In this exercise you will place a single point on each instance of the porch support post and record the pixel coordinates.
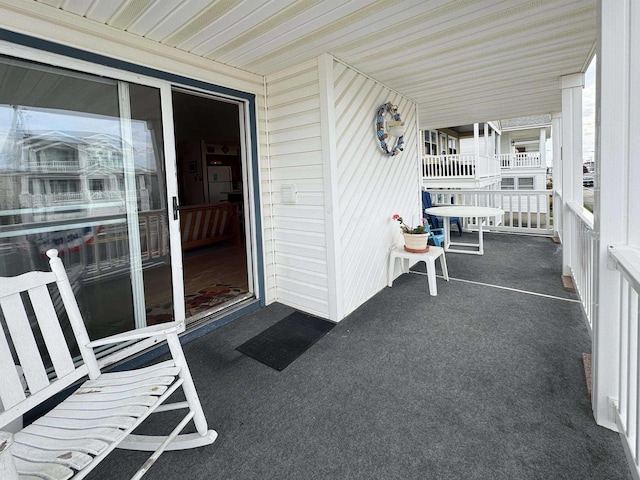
(571, 158)
(486, 138)
(331, 188)
(556, 141)
(476, 148)
(542, 147)
(616, 187)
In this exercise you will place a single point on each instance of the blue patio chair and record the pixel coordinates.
(437, 235)
(436, 222)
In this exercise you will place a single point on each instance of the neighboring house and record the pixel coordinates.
(506, 155)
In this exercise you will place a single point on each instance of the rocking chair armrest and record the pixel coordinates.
(437, 231)
(162, 329)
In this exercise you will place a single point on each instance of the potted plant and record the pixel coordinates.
(415, 238)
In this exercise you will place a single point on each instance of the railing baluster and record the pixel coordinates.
(633, 384)
(626, 260)
(624, 359)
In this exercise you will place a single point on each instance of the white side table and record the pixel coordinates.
(429, 258)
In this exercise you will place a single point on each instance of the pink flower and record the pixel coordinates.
(396, 216)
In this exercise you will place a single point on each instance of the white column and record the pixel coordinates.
(615, 222)
(542, 147)
(556, 141)
(331, 188)
(571, 157)
(476, 146)
(486, 138)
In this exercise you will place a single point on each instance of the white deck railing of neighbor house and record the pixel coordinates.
(583, 251)
(460, 166)
(627, 409)
(521, 160)
(526, 211)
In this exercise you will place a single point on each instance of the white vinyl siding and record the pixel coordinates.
(372, 186)
(328, 252)
(295, 238)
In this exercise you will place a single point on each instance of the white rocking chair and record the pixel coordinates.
(72, 439)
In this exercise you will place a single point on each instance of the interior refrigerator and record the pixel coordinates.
(219, 183)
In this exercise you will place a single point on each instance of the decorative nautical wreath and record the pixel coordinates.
(394, 126)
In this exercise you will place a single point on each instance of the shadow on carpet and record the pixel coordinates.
(283, 342)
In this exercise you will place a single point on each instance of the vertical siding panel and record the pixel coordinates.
(295, 237)
(331, 187)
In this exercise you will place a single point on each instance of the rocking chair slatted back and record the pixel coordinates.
(22, 337)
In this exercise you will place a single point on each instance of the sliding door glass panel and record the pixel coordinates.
(149, 164)
(81, 171)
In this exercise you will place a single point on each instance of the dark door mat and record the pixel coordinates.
(283, 342)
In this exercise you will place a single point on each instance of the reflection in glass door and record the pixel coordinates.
(82, 170)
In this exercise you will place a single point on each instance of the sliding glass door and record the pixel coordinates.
(82, 170)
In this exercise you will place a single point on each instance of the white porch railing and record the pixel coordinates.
(583, 249)
(526, 211)
(460, 166)
(627, 408)
(66, 166)
(521, 160)
(469, 166)
(109, 251)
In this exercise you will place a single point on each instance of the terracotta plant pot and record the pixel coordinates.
(416, 242)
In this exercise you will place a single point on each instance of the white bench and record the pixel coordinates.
(72, 439)
(429, 258)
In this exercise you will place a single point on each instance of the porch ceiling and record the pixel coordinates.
(461, 61)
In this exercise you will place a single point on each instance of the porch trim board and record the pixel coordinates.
(331, 187)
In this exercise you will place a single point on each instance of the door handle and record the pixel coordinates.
(175, 208)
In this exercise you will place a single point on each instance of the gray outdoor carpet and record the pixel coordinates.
(478, 382)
